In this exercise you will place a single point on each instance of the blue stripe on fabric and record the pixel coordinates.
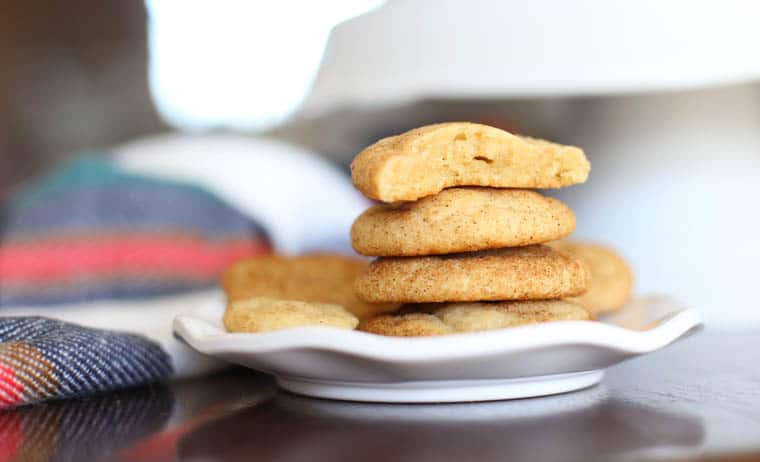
(131, 289)
(14, 329)
(125, 208)
(88, 169)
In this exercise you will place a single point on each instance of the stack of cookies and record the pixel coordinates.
(462, 242)
(459, 233)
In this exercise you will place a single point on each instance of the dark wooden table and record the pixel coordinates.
(698, 399)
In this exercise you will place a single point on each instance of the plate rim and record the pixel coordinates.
(207, 338)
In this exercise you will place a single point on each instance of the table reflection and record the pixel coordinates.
(91, 429)
(240, 415)
(579, 426)
(136, 424)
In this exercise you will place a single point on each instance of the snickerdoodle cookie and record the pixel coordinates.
(426, 160)
(611, 278)
(520, 273)
(262, 314)
(461, 220)
(308, 278)
(450, 318)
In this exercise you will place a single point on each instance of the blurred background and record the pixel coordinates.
(664, 97)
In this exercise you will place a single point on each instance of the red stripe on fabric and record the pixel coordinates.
(161, 446)
(10, 388)
(11, 436)
(50, 260)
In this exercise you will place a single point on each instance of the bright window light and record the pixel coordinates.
(238, 64)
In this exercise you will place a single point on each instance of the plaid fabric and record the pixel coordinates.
(43, 359)
(88, 232)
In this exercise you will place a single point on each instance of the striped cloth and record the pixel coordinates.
(89, 232)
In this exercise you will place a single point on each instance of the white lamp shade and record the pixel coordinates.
(408, 50)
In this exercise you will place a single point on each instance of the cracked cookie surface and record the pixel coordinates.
(426, 160)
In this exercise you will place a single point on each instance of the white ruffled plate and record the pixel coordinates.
(520, 362)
